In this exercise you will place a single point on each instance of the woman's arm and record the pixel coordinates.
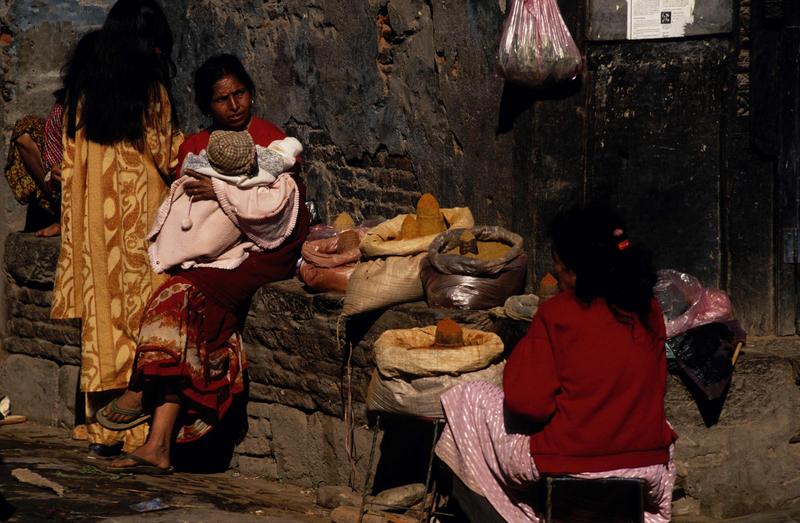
(530, 381)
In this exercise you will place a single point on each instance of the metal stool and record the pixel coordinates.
(428, 507)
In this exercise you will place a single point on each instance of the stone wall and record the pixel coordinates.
(735, 459)
(384, 95)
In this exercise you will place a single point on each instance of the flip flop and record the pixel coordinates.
(139, 417)
(142, 466)
(11, 419)
(6, 418)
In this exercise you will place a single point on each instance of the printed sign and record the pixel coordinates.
(659, 18)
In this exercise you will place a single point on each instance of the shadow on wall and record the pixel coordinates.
(517, 99)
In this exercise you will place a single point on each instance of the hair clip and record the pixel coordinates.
(157, 51)
(624, 244)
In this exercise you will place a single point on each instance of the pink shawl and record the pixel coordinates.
(222, 233)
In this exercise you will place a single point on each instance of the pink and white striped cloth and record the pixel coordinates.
(499, 466)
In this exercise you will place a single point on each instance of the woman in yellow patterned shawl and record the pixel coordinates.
(121, 145)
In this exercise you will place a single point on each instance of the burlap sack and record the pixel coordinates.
(421, 396)
(381, 239)
(397, 353)
(325, 269)
(381, 283)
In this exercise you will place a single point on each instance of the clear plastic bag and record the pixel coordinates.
(686, 304)
(536, 48)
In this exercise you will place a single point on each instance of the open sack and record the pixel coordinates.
(410, 374)
(392, 277)
(462, 282)
(323, 267)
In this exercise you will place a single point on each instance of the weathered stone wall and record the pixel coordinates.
(395, 98)
(40, 374)
(299, 391)
(384, 95)
(35, 39)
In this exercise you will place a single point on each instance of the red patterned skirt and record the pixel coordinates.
(189, 346)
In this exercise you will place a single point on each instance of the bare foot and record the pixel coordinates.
(50, 230)
(153, 454)
(129, 400)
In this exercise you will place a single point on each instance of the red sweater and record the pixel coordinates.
(598, 385)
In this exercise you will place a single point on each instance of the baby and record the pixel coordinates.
(256, 206)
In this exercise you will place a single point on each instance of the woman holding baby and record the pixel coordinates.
(189, 365)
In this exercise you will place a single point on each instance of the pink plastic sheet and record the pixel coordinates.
(686, 304)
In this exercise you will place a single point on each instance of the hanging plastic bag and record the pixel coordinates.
(686, 304)
(536, 48)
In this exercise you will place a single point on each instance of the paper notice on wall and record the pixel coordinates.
(659, 18)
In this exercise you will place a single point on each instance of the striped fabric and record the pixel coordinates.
(53, 150)
(498, 465)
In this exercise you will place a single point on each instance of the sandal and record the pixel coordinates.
(6, 418)
(138, 417)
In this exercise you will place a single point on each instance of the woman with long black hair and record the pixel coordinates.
(589, 378)
(121, 149)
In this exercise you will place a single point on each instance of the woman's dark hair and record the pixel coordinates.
(592, 242)
(211, 72)
(131, 60)
(73, 74)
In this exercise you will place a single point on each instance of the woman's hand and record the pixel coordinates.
(55, 173)
(200, 187)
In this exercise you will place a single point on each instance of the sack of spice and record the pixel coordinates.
(476, 268)
(413, 367)
(396, 248)
(328, 261)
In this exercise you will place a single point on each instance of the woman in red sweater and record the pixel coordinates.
(590, 374)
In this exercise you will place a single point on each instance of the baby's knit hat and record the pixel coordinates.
(232, 153)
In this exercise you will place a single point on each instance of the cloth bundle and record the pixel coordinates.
(324, 268)
(254, 210)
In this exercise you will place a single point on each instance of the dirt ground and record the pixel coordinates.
(91, 494)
